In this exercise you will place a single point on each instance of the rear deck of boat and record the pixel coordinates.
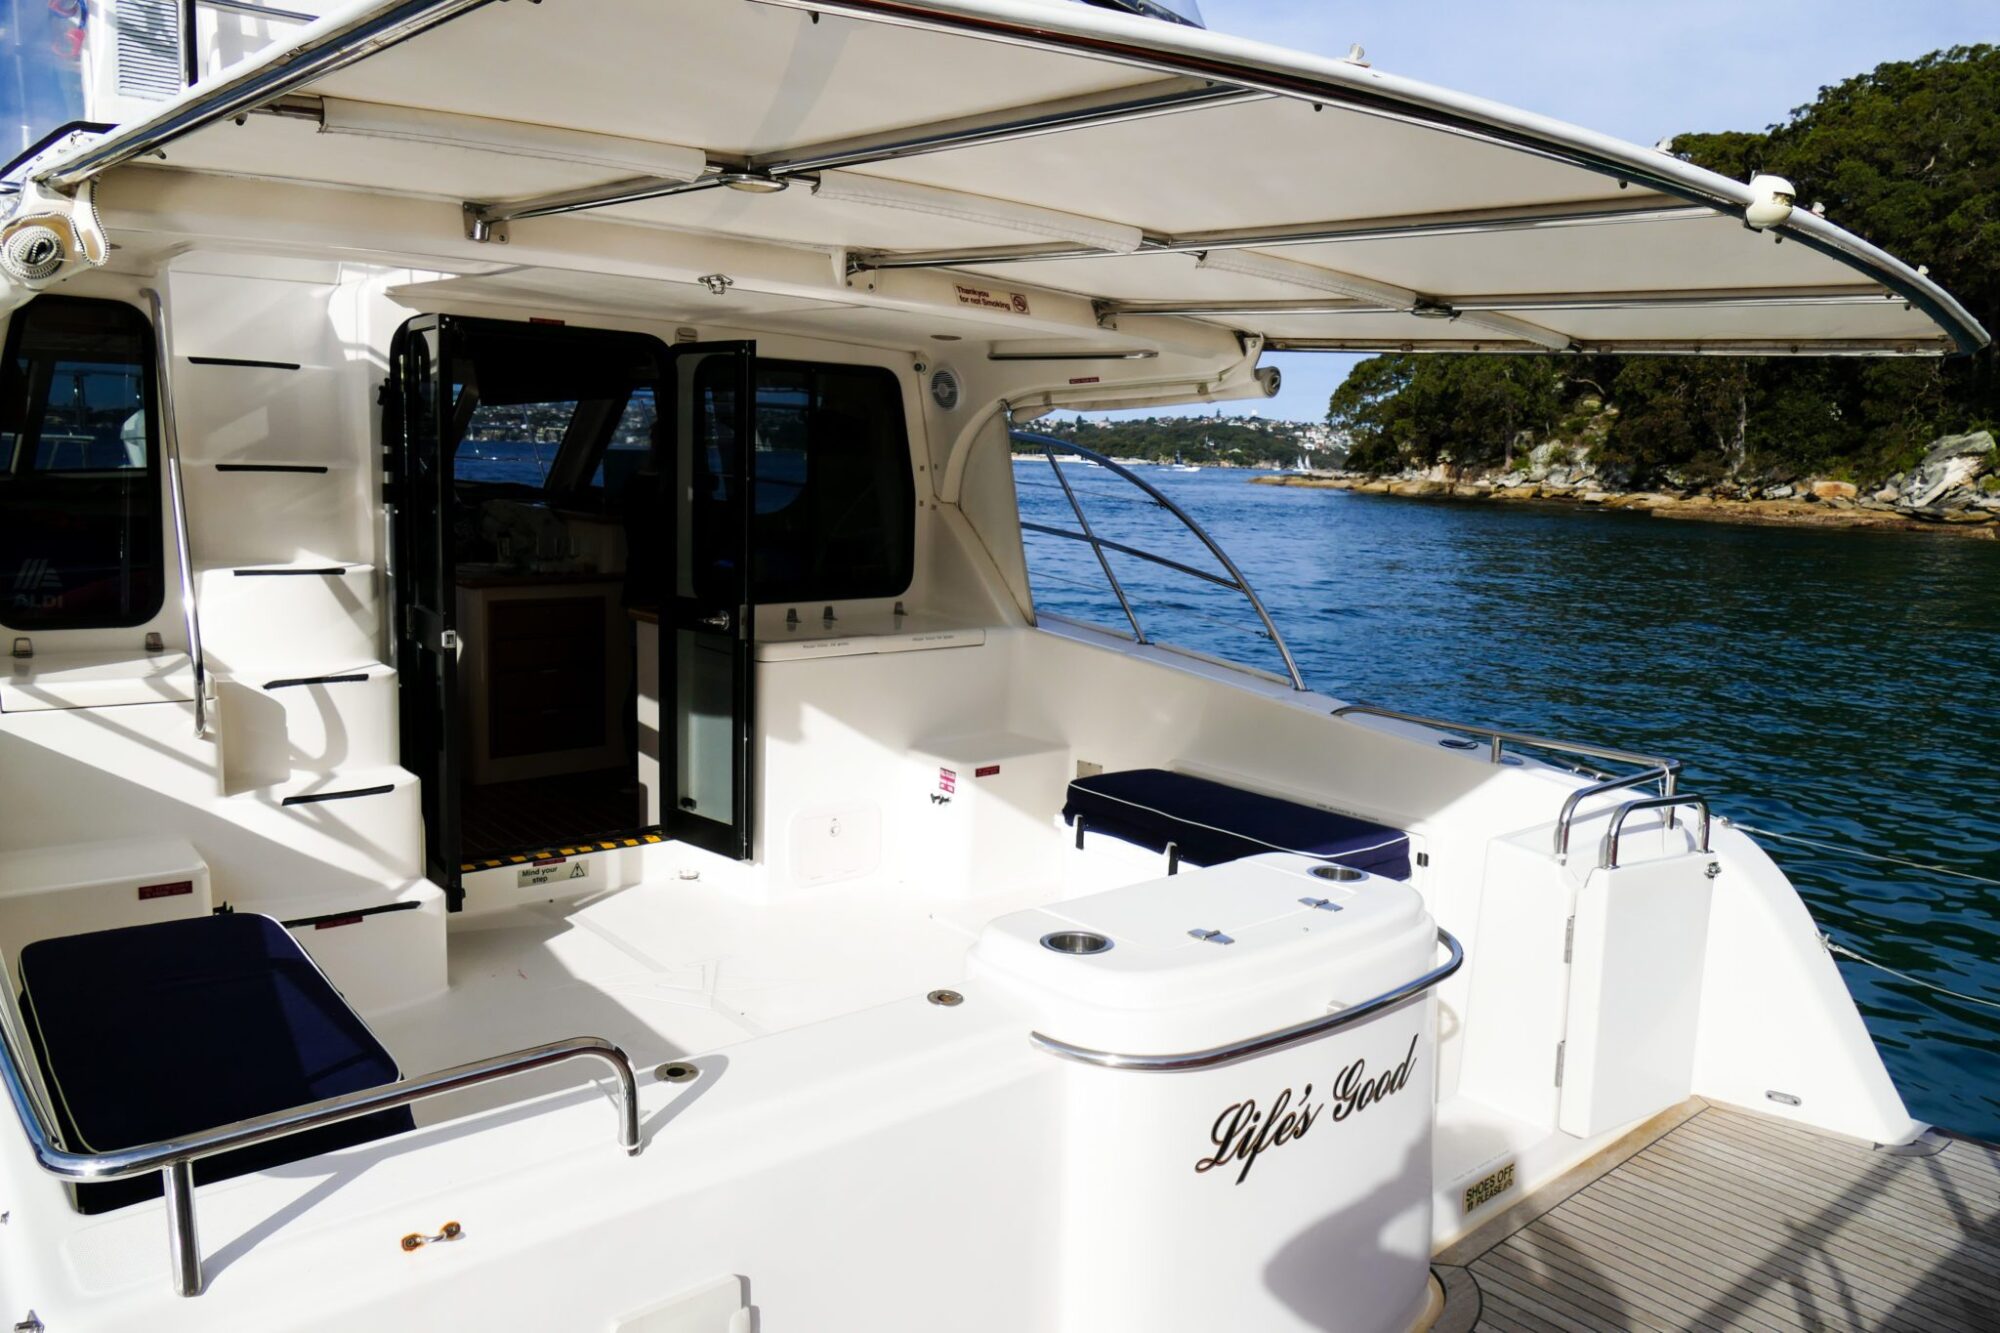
(1713, 1218)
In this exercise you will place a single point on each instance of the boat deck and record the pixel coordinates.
(1729, 1220)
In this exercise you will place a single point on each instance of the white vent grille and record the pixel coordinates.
(149, 48)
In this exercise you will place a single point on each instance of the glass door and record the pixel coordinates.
(706, 622)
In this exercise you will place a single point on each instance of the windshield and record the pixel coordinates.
(1176, 11)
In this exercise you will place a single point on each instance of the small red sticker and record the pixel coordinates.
(544, 319)
(987, 771)
(173, 890)
(552, 861)
(947, 780)
(330, 922)
(1087, 379)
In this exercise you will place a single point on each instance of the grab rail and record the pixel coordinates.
(1618, 818)
(1236, 582)
(174, 1158)
(1663, 775)
(1664, 771)
(177, 496)
(1217, 1056)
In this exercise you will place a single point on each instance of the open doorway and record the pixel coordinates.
(566, 504)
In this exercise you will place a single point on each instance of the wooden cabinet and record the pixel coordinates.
(544, 674)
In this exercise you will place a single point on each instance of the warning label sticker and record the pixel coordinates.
(1013, 302)
(550, 872)
(947, 780)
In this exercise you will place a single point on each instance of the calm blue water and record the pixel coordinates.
(1836, 685)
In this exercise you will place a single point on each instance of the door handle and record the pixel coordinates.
(720, 620)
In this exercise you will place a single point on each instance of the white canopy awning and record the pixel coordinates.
(996, 158)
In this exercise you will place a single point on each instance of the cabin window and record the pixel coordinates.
(835, 504)
(81, 538)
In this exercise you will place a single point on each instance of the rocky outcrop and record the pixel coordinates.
(1956, 486)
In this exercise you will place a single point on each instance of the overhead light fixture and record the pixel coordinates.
(854, 188)
(512, 138)
(1311, 277)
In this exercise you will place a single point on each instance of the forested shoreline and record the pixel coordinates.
(1907, 156)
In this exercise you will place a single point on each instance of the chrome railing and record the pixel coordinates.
(1263, 1044)
(1658, 769)
(170, 436)
(1054, 449)
(1667, 803)
(1664, 775)
(174, 1158)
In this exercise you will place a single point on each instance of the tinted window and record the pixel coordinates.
(81, 543)
(835, 502)
(513, 442)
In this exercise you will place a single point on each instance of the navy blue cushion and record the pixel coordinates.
(1211, 822)
(151, 1032)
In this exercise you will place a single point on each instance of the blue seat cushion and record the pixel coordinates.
(156, 1031)
(1211, 822)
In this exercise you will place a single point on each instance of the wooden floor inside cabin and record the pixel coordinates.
(1735, 1221)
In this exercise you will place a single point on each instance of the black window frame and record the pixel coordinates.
(154, 476)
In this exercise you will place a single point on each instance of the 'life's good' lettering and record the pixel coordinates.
(1246, 1131)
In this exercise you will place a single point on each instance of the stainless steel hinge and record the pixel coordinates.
(1561, 1046)
(1569, 939)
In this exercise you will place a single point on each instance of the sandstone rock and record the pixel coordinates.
(1835, 490)
(1967, 516)
(1596, 497)
(1529, 491)
(1888, 495)
(1779, 493)
(1374, 487)
(1954, 461)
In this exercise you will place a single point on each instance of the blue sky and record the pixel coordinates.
(1639, 71)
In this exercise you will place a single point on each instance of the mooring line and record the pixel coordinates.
(1841, 850)
(1845, 952)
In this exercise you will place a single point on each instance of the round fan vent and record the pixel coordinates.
(945, 388)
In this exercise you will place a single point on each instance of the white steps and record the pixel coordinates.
(277, 726)
(291, 511)
(306, 618)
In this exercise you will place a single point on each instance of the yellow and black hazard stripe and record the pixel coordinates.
(531, 855)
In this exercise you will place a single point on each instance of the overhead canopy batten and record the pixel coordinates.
(1304, 202)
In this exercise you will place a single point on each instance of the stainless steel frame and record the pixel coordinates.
(174, 1158)
(177, 497)
(802, 163)
(257, 11)
(1051, 446)
(1667, 803)
(1720, 298)
(320, 50)
(1231, 1053)
(1583, 213)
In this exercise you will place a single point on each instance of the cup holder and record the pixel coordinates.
(1075, 941)
(1339, 874)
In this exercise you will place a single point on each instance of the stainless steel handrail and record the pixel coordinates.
(175, 1158)
(1663, 775)
(1050, 446)
(170, 435)
(1625, 811)
(1664, 771)
(1499, 736)
(1217, 1056)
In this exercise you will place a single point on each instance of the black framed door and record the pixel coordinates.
(706, 617)
(419, 437)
